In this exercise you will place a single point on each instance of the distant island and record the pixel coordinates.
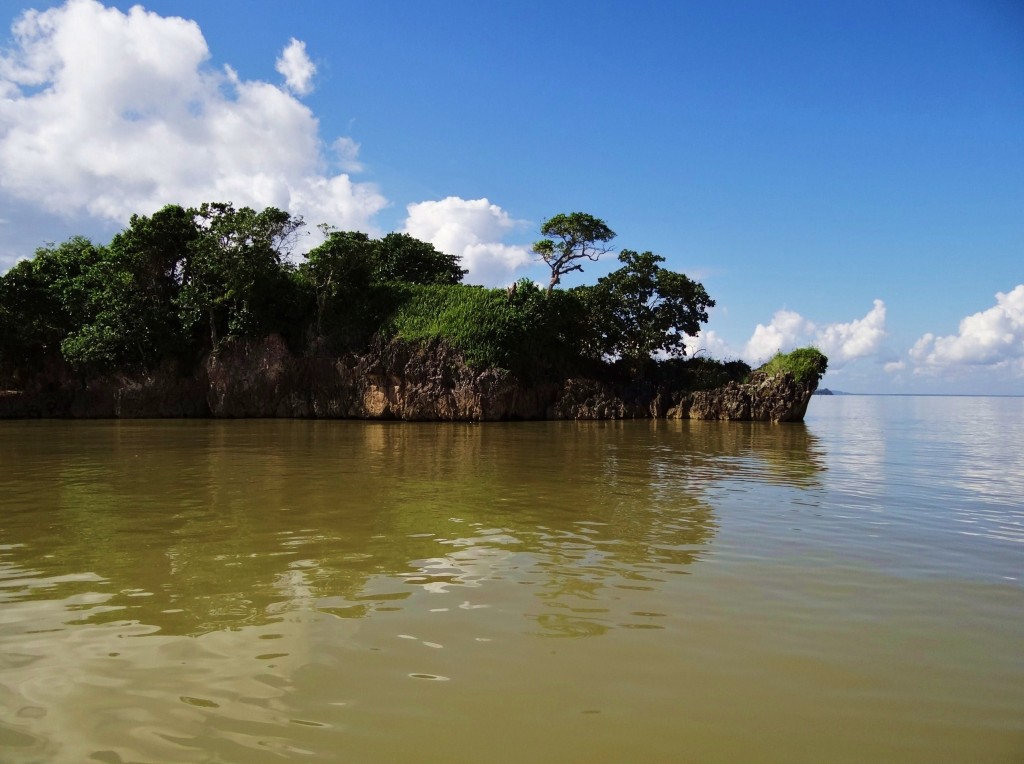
(201, 312)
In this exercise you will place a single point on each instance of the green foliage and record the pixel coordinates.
(338, 272)
(130, 318)
(43, 300)
(141, 300)
(400, 257)
(700, 373)
(67, 271)
(805, 364)
(581, 237)
(352, 277)
(513, 328)
(480, 322)
(171, 285)
(234, 270)
(32, 320)
(642, 308)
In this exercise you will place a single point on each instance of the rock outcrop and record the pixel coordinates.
(764, 398)
(392, 381)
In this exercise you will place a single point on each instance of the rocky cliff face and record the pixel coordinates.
(778, 398)
(395, 381)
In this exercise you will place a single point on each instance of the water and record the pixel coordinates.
(265, 591)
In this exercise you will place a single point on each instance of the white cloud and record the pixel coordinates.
(347, 152)
(993, 337)
(786, 331)
(110, 113)
(472, 229)
(857, 339)
(841, 342)
(297, 68)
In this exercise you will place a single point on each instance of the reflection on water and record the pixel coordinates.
(196, 527)
(923, 469)
(328, 591)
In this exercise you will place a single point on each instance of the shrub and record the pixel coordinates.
(700, 373)
(517, 329)
(805, 364)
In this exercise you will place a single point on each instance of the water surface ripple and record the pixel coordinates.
(844, 590)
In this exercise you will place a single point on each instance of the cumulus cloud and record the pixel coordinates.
(993, 337)
(857, 339)
(841, 342)
(472, 229)
(110, 113)
(297, 68)
(785, 331)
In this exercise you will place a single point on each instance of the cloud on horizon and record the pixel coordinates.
(989, 338)
(841, 342)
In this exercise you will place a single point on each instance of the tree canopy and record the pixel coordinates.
(643, 308)
(177, 284)
(400, 257)
(580, 237)
(235, 267)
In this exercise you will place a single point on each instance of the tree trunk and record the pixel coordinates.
(213, 330)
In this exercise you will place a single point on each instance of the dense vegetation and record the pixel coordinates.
(804, 364)
(174, 286)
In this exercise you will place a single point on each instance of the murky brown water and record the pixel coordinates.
(266, 591)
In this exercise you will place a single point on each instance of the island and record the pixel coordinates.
(205, 312)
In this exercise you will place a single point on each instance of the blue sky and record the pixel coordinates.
(843, 174)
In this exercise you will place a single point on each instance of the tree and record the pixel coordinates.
(339, 271)
(235, 271)
(81, 299)
(581, 237)
(401, 257)
(132, 316)
(58, 286)
(642, 308)
(33, 320)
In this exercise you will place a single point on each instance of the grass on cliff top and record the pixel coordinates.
(470, 319)
(525, 331)
(805, 364)
(490, 326)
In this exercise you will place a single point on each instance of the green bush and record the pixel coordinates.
(520, 330)
(805, 364)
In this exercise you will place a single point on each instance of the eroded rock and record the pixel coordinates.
(263, 378)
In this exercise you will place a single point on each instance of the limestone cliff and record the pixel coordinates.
(392, 381)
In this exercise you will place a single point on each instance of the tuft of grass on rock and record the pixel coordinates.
(805, 364)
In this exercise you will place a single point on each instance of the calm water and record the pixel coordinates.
(851, 589)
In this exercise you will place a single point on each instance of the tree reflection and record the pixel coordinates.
(195, 527)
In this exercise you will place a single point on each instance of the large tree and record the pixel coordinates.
(42, 300)
(642, 308)
(132, 316)
(236, 271)
(339, 271)
(580, 237)
(401, 257)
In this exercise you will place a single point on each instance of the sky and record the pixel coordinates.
(843, 175)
